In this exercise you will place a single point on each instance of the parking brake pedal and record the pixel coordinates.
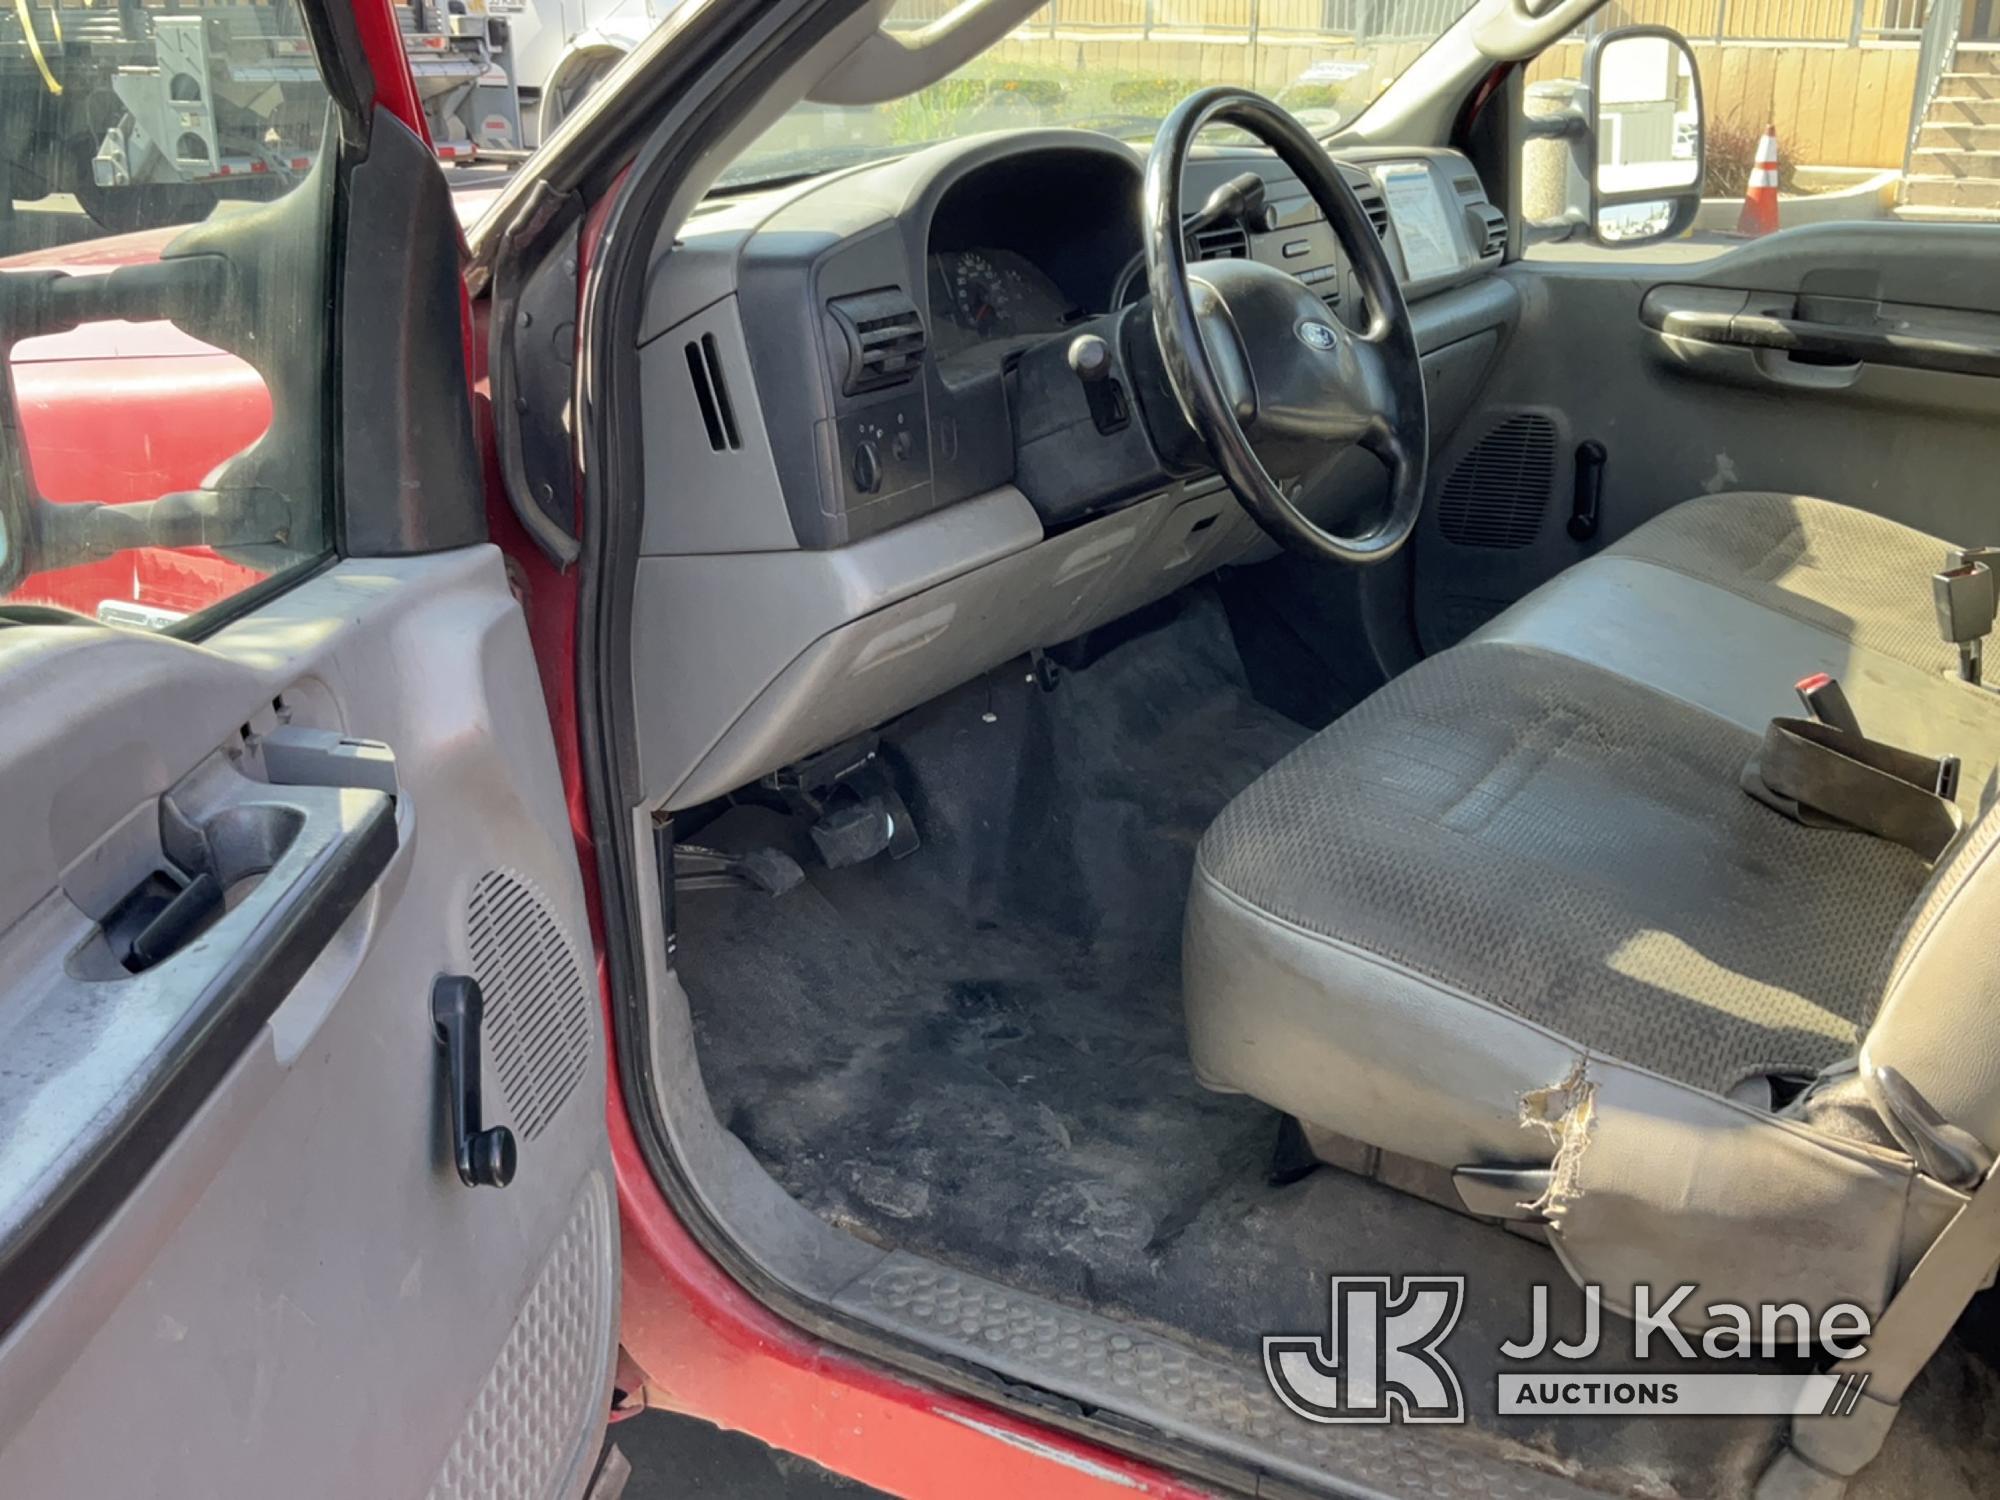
(698, 868)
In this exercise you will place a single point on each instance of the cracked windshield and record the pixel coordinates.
(1119, 66)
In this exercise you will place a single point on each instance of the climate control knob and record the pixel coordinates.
(867, 467)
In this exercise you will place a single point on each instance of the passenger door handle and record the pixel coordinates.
(1834, 342)
(1736, 319)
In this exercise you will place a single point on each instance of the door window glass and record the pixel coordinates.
(163, 449)
(1883, 110)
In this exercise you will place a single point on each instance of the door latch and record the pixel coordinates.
(484, 1158)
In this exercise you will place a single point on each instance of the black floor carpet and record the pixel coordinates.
(988, 1033)
(977, 1054)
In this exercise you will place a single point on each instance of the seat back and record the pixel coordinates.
(1939, 1023)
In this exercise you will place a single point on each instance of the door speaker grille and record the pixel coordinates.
(537, 1003)
(1496, 495)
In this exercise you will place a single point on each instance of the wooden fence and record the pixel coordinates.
(1835, 102)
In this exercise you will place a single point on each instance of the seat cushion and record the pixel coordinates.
(1844, 571)
(1727, 601)
(1535, 834)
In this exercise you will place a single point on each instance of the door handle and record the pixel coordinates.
(483, 1157)
(186, 984)
(1833, 343)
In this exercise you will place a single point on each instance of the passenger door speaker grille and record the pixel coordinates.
(537, 1003)
(711, 393)
(1497, 494)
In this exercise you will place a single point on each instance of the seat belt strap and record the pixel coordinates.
(1827, 776)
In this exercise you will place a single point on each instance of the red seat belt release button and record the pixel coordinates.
(1824, 701)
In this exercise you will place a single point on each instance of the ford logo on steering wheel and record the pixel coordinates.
(1317, 335)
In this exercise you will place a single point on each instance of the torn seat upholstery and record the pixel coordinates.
(1515, 909)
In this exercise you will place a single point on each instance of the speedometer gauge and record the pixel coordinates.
(988, 295)
(982, 297)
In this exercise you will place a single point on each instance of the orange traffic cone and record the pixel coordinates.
(1760, 201)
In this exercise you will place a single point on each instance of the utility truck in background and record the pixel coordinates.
(564, 48)
(148, 111)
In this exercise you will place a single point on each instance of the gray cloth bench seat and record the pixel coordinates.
(1515, 909)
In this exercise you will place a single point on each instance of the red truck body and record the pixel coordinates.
(117, 412)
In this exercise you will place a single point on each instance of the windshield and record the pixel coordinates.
(1119, 66)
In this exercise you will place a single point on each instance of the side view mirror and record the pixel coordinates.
(1646, 123)
(1618, 155)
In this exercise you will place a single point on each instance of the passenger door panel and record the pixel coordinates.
(1854, 362)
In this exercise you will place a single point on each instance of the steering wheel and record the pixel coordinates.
(1263, 371)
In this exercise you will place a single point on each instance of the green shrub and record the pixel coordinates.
(1148, 96)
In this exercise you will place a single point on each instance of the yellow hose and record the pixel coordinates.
(35, 43)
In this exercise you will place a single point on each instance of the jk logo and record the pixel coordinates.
(1378, 1360)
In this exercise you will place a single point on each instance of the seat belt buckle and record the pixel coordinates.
(1947, 777)
(1824, 701)
(1966, 601)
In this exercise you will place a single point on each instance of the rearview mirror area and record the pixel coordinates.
(1645, 128)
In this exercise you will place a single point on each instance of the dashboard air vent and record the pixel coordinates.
(1375, 206)
(1226, 241)
(1487, 227)
(883, 335)
(711, 393)
(1496, 495)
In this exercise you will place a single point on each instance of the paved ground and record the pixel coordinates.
(678, 1458)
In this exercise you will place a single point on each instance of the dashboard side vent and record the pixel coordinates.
(1487, 226)
(1226, 241)
(884, 338)
(1496, 495)
(1375, 206)
(711, 393)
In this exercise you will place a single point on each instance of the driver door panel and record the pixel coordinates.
(299, 1296)
(245, 853)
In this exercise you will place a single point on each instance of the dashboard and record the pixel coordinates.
(872, 474)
